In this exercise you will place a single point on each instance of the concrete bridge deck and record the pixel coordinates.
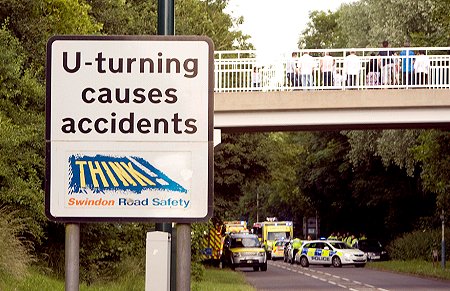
(332, 109)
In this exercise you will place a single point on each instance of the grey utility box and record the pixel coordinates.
(157, 261)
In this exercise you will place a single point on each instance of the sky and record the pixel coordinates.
(275, 25)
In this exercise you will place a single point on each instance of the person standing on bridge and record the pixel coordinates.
(256, 78)
(421, 67)
(326, 68)
(372, 71)
(407, 65)
(352, 67)
(291, 71)
(306, 67)
(386, 64)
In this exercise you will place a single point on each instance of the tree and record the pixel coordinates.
(45, 18)
(194, 17)
(432, 154)
(119, 17)
(237, 160)
(21, 127)
(322, 31)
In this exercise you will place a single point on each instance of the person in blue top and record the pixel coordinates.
(407, 65)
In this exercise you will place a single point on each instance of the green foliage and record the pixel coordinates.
(322, 31)
(21, 127)
(198, 231)
(366, 23)
(197, 271)
(105, 246)
(238, 159)
(432, 153)
(45, 18)
(119, 17)
(194, 17)
(325, 175)
(15, 256)
(18, 83)
(417, 245)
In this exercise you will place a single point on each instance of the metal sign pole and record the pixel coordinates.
(72, 257)
(183, 257)
(166, 26)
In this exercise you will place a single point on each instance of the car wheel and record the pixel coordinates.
(336, 261)
(264, 267)
(304, 262)
(231, 264)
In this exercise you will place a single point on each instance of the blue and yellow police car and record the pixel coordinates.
(330, 253)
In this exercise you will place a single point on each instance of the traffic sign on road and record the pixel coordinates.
(129, 128)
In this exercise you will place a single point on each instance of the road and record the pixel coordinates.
(282, 276)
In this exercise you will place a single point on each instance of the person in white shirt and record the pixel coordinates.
(306, 67)
(421, 67)
(326, 68)
(352, 67)
(256, 78)
(291, 71)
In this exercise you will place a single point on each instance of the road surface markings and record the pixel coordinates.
(320, 276)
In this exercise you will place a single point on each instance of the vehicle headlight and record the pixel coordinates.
(236, 255)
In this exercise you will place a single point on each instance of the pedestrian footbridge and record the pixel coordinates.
(268, 101)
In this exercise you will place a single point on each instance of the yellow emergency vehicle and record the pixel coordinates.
(213, 240)
(271, 231)
(234, 226)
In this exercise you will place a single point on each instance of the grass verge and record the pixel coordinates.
(415, 267)
(222, 280)
(214, 280)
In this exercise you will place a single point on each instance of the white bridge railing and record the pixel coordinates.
(234, 70)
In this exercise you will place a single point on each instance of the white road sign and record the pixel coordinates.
(129, 128)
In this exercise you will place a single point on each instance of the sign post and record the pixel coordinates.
(166, 26)
(129, 129)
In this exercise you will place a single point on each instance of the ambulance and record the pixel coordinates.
(272, 230)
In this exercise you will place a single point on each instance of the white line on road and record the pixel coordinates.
(308, 271)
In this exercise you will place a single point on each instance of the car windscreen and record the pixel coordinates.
(340, 245)
(245, 242)
(278, 235)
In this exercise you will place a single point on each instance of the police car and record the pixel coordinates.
(330, 252)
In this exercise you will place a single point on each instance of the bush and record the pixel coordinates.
(197, 271)
(14, 255)
(417, 245)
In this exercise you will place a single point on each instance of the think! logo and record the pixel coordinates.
(105, 173)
